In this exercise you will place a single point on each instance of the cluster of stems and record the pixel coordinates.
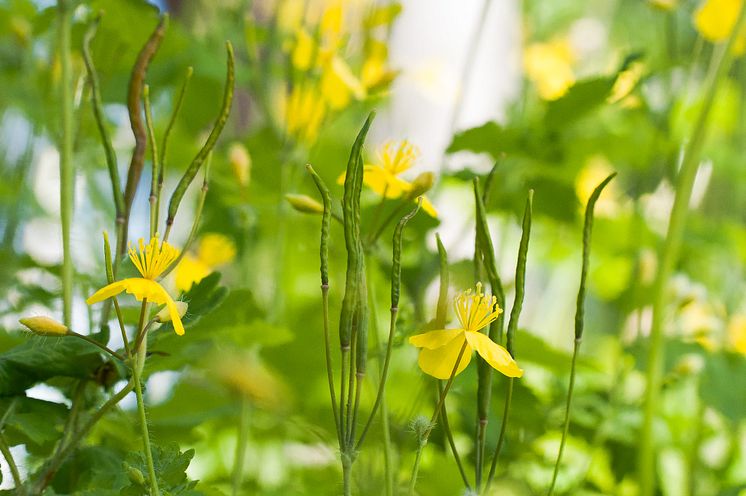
(135, 351)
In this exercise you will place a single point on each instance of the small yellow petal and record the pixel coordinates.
(190, 270)
(216, 249)
(494, 354)
(106, 292)
(715, 19)
(383, 182)
(434, 339)
(440, 361)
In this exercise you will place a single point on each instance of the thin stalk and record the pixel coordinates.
(388, 464)
(99, 345)
(346, 475)
(52, 465)
(436, 414)
(566, 425)
(5, 450)
(501, 437)
(110, 276)
(579, 316)
(155, 167)
(329, 368)
(351, 388)
(670, 251)
(136, 376)
(67, 174)
(451, 442)
(242, 440)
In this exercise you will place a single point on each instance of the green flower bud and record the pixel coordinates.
(421, 185)
(45, 326)
(165, 316)
(304, 203)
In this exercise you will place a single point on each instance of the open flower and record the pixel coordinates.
(150, 260)
(440, 349)
(383, 177)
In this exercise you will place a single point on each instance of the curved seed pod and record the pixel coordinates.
(587, 228)
(107, 259)
(354, 294)
(325, 222)
(212, 139)
(396, 260)
(520, 273)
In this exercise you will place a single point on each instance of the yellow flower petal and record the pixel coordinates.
(434, 339)
(190, 270)
(549, 67)
(429, 208)
(494, 354)
(715, 19)
(382, 181)
(440, 361)
(303, 50)
(106, 292)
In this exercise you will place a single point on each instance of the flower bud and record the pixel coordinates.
(421, 185)
(304, 203)
(164, 315)
(420, 425)
(134, 474)
(45, 326)
(240, 161)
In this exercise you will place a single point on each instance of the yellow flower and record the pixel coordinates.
(737, 333)
(151, 260)
(303, 51)
(339, 84)
(304, 111)
(440, 349)
(213, 251)
(549, 67)
(715, 19)
(383, 178)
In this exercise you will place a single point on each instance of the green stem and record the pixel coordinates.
(566, 426)
(66, 151)
(5, 450)
(670, 254)
(242, 440)
(329, 369)
(52, 465)
(137, 368)
(155, 167)
(99, 345)
(436, 414)
(451, 442)
(346, 474)
(501, 437)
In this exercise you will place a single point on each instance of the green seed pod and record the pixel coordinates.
(396, 259)
(304, 204)
(441, 314)
(212, 139)
(326, 214)
(520, 273)
(587, 228)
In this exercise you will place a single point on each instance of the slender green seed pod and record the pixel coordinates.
(441, 314)
(98, 114)
(107, 259)
(199, 159)
(587, 228)
(484, 370)
(325, 223)
(355, 275)
(396, 260)
(520, 274)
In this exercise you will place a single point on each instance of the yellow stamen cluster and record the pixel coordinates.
(396, 157)
(153, 258)
(476, 311)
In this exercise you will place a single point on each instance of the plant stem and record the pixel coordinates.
(329, 368)
(52, 465)
(99, 345)
(436, 414)
(5, 450)
(501, 437)
(669, 256)
(566, 427)
(451, 442)
(137, 368)
(66, 150)
(243, 435)
(346, 474)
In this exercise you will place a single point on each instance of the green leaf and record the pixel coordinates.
(582, 98)
(170, 469)
(721, 387)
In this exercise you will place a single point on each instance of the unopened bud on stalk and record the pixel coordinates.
(420, 425)
(421, 185)
(164, 315)
(134, 474)
(45, 326)
(304, 203)
(240, 161)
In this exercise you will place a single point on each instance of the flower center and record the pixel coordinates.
(152, 259)
(475, 311)
(396, 157)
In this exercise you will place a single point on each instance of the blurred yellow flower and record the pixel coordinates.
(440, 349)
(597, 168)
(303, 51)
(737, 333)
(715, 19)
(151, 261)
(339, 85)
(667, 5)
(625, 83)
(549, 67)
(394, 157)
(304, 111)
(245, 374)
(240, 161)
(213, 251)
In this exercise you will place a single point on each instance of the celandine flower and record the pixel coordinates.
(383, 178)
(151, 261)
(214, 250)
(440, 349)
